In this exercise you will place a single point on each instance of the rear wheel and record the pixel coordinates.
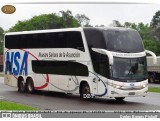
(21, 85)
(30, 85)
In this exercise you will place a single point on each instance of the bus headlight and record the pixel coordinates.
(144, 85)
(118, 87)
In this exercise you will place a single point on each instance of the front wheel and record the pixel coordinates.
(85, 91)
(151, 79)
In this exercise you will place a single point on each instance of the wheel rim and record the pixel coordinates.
(86, 90)
(21, 86)
(29, 87)
(151, 79)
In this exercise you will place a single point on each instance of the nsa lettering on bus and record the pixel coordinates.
(14, 66)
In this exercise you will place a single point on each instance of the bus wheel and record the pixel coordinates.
(85, 91)
(21, 85)
(120, 99)
(152, 79)
(30, 85)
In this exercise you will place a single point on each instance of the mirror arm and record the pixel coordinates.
(153, 55)
(106, 52)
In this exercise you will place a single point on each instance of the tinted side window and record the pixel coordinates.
(60, 68)
(45, 40)
(74, 40)
(100, 64)
(95, 38)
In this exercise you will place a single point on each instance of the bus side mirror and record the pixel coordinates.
(153, 55)
(108, 53)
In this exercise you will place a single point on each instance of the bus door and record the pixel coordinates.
(99, 87)
(102, 72)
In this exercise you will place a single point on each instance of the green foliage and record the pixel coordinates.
(156, 20)
(1, 40)
(83, 19)
(155, 24)
(64, 19)
(1, 33)
(1, 75)
(144, 29)
(148, 35)
(67, 19)
(1, 48)
(153, 46)
(4, 105)
(47, 21)
(154, 89)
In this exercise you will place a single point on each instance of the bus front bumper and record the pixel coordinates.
(128, 93)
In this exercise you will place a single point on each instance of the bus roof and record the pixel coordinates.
(67, 29)
(44, 31)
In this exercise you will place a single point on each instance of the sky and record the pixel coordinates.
(99, 13)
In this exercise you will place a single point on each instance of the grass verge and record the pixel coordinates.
(154, 89)
(1, 75)
(5, 105)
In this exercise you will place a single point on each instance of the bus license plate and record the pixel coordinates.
(131, 93)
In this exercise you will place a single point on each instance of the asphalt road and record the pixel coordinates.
(154, 84)
(59, 101)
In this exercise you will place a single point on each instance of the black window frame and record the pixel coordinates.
(56, 40)
(100, 63)
(59, 68)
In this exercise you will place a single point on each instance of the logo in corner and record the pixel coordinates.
(132, 85)
(8, 9)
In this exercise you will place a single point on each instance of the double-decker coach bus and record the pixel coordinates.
(92, 62)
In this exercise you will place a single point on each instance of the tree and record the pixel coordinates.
(155, 23)
(130, 25)
(1, 39)
(115, 23)
(127, 24)
(144, 29)
(83, 19)
(152, 46)
(147, 34)
(1, 34)
(47, 21)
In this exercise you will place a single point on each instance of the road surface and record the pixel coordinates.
(154, 85)
(59, 101)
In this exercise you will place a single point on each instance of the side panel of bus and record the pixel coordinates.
(55, 69)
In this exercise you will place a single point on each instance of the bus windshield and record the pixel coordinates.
(123, 41)
(129, 69)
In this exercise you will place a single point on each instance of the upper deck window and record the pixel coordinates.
(68, 39)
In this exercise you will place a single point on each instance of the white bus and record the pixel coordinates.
(92, 62)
